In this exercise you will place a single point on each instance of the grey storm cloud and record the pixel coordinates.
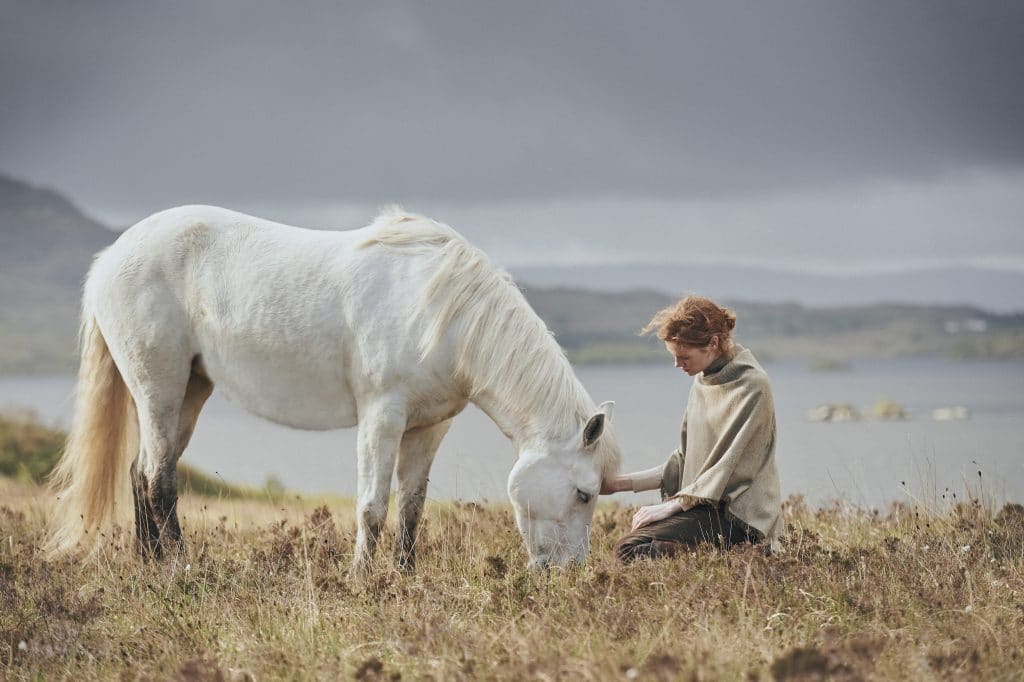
(867, 136)
(466, 102)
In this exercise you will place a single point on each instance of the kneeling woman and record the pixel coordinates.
(721, 485)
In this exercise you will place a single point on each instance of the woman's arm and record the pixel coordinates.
(648, 479)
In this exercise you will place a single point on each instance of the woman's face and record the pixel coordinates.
(693, 360)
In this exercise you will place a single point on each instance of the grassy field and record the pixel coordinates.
(261, 593)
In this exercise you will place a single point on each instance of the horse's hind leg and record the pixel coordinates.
(168, 396)
(156, 518)
(381, 426)
(147, 532)
(414, 460)
(153, 479)
(196, 393)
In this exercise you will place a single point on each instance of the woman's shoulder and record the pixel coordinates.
(753, 379)
(748, 365)
(743, 370)
(750, 383)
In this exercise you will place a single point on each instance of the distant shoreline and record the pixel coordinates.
(604, 356)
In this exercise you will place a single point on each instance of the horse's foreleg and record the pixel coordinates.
(414, 460)
(380, 434)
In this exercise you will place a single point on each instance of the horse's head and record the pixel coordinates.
(553, 488)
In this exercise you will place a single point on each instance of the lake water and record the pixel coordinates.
(866, 462)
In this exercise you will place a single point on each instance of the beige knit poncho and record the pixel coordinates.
(728, 445)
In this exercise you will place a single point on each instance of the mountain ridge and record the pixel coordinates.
(990, 289)
(47, 244)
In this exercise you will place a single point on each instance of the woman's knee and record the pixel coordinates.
(630, 549)
(623, 552)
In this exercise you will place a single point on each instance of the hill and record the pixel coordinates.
(601, 327)
(986, 288)
(46, 245)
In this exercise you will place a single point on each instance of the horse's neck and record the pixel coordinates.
(524, 426)
(511, 423)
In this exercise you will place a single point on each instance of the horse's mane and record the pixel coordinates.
(502, 344)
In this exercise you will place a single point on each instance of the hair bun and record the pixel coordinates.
(730, 319)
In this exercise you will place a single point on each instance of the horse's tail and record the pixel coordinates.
(91, 479)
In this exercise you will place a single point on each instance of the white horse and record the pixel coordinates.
(394, 327)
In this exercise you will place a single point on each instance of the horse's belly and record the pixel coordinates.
(293, 395)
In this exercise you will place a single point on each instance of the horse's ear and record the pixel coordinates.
(595, 425)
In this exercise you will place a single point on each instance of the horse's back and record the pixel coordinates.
(224, 270)
(294, 324)
(200, 231)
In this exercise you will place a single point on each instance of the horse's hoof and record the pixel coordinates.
(148, 551)
(359, 571)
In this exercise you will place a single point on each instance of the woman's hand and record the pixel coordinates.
(655, 512)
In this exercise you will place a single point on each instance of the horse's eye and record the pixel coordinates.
(582, 496)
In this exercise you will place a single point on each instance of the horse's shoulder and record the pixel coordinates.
(396, 215)
(396, 226)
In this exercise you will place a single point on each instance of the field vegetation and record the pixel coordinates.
(29, 450)
(933, 591)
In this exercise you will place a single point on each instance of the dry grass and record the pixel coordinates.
(261, 593)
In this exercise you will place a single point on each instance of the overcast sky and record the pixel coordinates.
(807, 135)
